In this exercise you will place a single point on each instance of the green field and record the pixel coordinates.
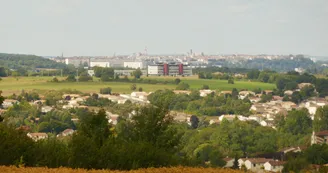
(12, 85)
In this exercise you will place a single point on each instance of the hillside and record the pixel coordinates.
(148, 170)
(17, 61)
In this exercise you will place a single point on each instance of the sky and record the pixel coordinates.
(105, 27)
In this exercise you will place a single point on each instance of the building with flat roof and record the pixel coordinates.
(99, 64)
(169, 70)
(135, 65)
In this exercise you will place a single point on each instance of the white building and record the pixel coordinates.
(274, 166)
(134, 65)
(37, 136)
(76, 61)
(155, 70)
(99, 64)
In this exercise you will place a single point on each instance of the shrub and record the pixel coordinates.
(107, 90)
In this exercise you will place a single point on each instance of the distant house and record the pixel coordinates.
(268, 91)
(66, 132)
(8, 103)
(254, 99)
(24, 128)
(229, 162)
(140, 95)
(181, 92)
(289, 92)
(225, 92)
(241, 162)
(302, 85)
(112, 118)
(319, 137)
(256, 163)
(274, 166)
(37, 136)
(244, 94)
(277, 98)
(257, 108)
(288, 105)
(204, 93)
(46, 109)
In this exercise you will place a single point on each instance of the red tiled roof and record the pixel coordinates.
(276, 163)
(322, 133)
(228, 159)
(259, 160)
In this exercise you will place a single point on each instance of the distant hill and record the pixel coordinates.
(17, 61)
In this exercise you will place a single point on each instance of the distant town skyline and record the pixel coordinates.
(108, 27)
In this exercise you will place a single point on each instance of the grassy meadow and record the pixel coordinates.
(10, 85)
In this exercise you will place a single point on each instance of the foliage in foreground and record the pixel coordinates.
(148, 170)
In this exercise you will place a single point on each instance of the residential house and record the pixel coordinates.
(140, 95)
(254, 99)
(112, 118)
(214, 121)
(46, 109)
(180, 116)
(204, 93)
(277, 98)
(263, 123)
(241, 162)
(24, 128)
(319, 137)
(268, 91)
(256, 163)
(274, 166)
(232, 117)
(289, 92)
(37, 136)
(9, 103)
(302, 85)
(257, 108)
(244, 94)
(181, 92)
(229, 162)
(225, 92)
(66, 132)
(288, 105)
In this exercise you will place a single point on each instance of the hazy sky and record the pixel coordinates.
(102, 27)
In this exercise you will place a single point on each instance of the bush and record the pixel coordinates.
(230, 81)
(71, 78)
(85, 78)
(183, 86)
(133, 87)
(55, 80)
(107, 90)
(104, 78)
(205, 87)
(177, 81)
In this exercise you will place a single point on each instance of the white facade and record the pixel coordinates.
(155, 70)
(134, 65)
(99, 64)
(270, 166)
(77, 61)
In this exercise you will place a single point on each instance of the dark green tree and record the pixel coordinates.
(137, 73)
